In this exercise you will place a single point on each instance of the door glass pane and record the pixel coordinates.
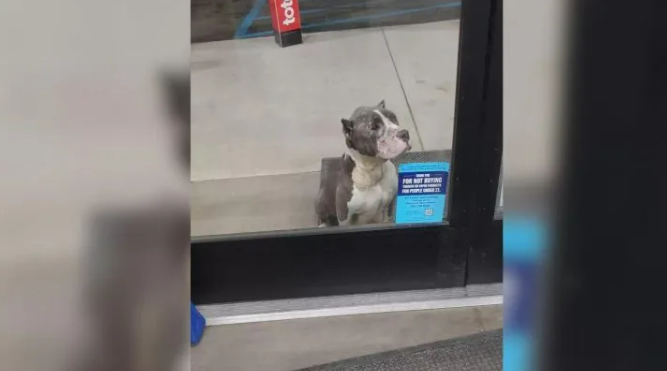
(275, 129)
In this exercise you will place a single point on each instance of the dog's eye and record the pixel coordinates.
(375, 125)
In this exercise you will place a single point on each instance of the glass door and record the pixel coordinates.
(339, 147)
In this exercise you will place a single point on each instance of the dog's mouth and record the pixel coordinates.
(390, 148)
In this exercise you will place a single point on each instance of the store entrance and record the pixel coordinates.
(268, 123)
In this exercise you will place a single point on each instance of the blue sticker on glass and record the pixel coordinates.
(421, 194)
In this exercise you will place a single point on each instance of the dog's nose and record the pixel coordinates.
(404, 134)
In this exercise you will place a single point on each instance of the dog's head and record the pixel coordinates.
(374, 131)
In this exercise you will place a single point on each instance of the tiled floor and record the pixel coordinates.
(294, 344)
(259, 110)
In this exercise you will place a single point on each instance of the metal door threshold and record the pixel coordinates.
(275, 310)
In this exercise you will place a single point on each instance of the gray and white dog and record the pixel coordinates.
(362, 190)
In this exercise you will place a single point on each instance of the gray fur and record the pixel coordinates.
(345, 186)
(335, 192)
(326, 198)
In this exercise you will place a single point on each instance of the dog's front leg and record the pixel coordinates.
(350, 211)
(351, 219)
(388, 212)
(386, 216)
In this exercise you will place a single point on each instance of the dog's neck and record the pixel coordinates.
(367, 171)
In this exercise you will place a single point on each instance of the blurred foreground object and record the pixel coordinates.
(197, 325)
(137, 292)
(137, 289)
(606, 269)
(86, 148)
(532, 79)
(524, 239)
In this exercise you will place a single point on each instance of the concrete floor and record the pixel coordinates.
(295, 344)
(259, 110)
(263, 117)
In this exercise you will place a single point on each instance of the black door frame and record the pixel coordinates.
(464, 249)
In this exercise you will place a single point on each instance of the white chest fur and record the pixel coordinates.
(373, 193)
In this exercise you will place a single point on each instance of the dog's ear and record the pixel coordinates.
(381, 104)
(348, 126)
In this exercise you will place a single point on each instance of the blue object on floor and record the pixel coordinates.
(197, 324)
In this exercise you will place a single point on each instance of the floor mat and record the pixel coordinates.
(479, 352)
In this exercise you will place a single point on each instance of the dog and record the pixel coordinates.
(362, 190)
